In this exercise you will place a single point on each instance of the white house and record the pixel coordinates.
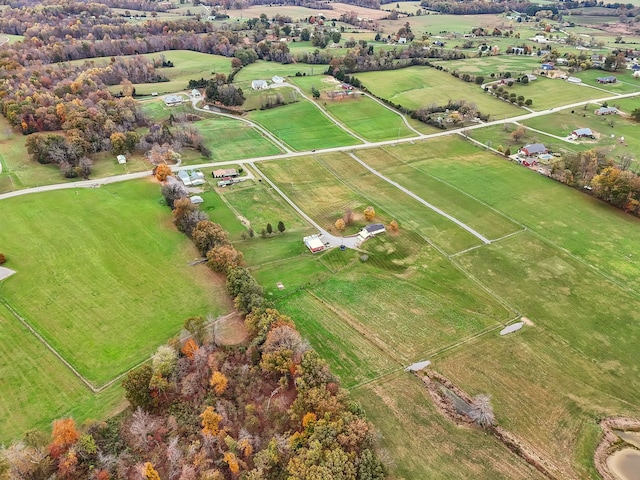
(172, 100)
(371, 231)
(196, 199)
(195, 93)
(259, 84)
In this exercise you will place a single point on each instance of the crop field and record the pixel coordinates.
(82, 288)
(549, 93)
(417, 87)
(305, 128)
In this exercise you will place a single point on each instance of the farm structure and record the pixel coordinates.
(314, 243)
(224, 172)
(532, 149)
(195, 93)
(173, 100)
(582, 133)
(547, 66)
(192, 178)
(121, 159)
(277, 79)
(607, 79)
(606, 111)
(259, 84)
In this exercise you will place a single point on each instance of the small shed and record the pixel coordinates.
(259, 84)
(531, 77)
(277, 79)
(121, 159)
(533, 149)
(574, 80)
(582, 132)
(196, 199)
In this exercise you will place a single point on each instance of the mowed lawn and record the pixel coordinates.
(595, 232)
(302, 126)
(626, 82)
(102, 274)
(553, 381)
(418, 87)
(37, 387)
(485, 66)
(554, 92)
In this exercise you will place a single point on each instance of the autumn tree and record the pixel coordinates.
(210, 421)
(189, 348)
(163, 171)
(339, 224)
(393, 226)
(281, 227)
(136, 386)
(518, 134)
(207, 235)
(64, 436)
(369, 213)
(172, 191)
(259, 322)
(223, 257)
(149, 472)
(186, 216)
(230, 459)
(219, 382)
(481, 411)
(3, 258)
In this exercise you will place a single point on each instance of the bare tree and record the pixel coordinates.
(482, 412)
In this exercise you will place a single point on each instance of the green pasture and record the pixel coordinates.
(564, 122)
(466, 209)
(589, 229)
(92, 264)
(263, 70)
(517, 65)
(37, 387)
(626, 82)
(552, 382)
(422, 443)
(417, 87)
(302, 126)
(257, 99)
(11, 38)
(548, 93)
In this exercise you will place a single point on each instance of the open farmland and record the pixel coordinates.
(625, 84)
(549, 93)
(305, 127)
(83, 287)
(417, 87)
(515, 64)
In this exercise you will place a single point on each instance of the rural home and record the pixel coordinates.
(224, 172)
(121, 159)
(582, 133)
(191, 178)
(314, 243)
(371, 231)
(259, 84)
(606, 111)
(533, 149)
(195, 93)
(172, 100)
(607, 79)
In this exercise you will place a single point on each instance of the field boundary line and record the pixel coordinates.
(404, 119)
(510, 235)
(423, 201)
(558, 137)
(42, 340)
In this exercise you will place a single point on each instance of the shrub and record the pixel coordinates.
(3, 258)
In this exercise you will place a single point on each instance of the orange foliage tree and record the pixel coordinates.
(210, 421)
(189, 348)
(219, 382)
(150, 473)
(393, 226)
(339, 224)
(232, 461)
(369, 213)
(64, 435)
(163, 171)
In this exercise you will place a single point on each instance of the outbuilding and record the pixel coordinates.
(314, 243)
(196, 199)
(371, 230)
(277, 79)
(582, 132)
(225, 172)
(173, 100)
(259, 84)
(606, 111)
(121, 159)
(607, 79)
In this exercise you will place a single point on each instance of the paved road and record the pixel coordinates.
(351, 148)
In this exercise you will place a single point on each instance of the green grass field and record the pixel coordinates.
(548, 93)
(94, 288)
(625, 84)
(417, 87)
(302, 126)
(516, 64)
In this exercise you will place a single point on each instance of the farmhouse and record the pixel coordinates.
(313, 243)
(371, 231)
(121, 159)
(606, 111)
(582, 133)
(172, 100)
(259, 84)
(607, 79)
(533, 149)
(224, 172)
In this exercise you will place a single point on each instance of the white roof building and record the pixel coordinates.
(259, 84)
(121, 159)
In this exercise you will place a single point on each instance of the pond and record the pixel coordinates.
(625, 464)
(630, 437)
